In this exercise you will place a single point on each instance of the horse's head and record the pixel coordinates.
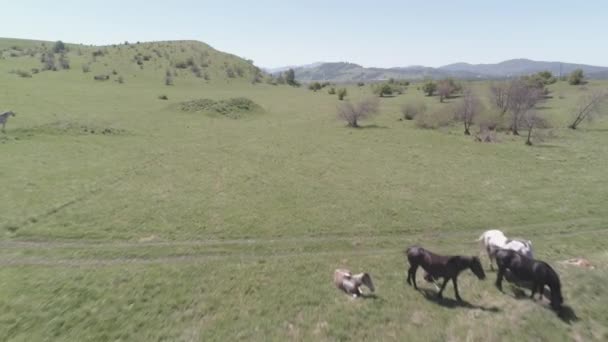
(476, 268)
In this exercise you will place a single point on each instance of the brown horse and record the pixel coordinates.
(439, 266)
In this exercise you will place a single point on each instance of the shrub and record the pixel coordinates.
(353, 113)
(429, 88)
(360, 84)
(168, 78)
(435, 119)
(64, 62)
(233, 108)
(101, 77)
(332, 91)
(86, 68)
(314, 86)
(576, 77)
(341, 93)
(411, 109)
(48, 62)
(35, 70)
(163, 97)
(23, 73)
(120, 80)
(97, 53)
(230, 73)
(196, 70)
(181, 65)
(383, 89)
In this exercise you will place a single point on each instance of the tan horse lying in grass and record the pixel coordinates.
(351, 283)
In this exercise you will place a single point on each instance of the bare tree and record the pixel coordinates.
(444, 89)
(353, 113)
(500, 96)
(522, 98)
(588, 107)
(468, 108)
(532, 119)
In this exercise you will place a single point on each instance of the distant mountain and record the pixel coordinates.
(518, 67)
(350, 72)
(285, 68)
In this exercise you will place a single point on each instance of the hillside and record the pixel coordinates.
(349, 72)
(189, 61)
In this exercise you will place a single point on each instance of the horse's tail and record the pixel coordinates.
(555, 285)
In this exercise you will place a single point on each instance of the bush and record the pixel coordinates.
(120, 80)
(64, 62)
(314, 86)
(412, 109)
(383, 89)
(181, 65)
(576, 77)
(163, 97)
(332, 91)
(98, 53)
(23, 73)
(360, 84)
(233, 108)
(101, 77)
(35, 70)
(341, 93)
(230, 73)
(86, 68)
(429, 88)
(353, 113)
(196, 70)
(168, 78)
(435, 119)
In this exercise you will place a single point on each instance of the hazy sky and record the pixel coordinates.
(371, 33)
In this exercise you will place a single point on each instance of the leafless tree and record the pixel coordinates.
(353, 113)
(522, 98)
(468, 108)
(588, 106)
(500, 96)
(444, 89)
(532, 119)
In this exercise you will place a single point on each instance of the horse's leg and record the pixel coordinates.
(534, 287)
(445, 282)
(501, 272)
(411, 276)
(541, 290)
(489, 251)
(455, 283)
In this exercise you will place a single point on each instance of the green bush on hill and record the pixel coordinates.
(233, 108)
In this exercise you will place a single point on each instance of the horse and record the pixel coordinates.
(4, 117)
(439, 266)
(492, 240)
(527, 269)
(351, 284)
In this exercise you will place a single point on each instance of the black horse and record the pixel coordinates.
(439, 266)
(539, 273)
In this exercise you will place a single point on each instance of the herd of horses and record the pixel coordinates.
(513, 257)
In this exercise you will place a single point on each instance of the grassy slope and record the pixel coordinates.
(227, 202)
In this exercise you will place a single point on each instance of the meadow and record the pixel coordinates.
(125, 218)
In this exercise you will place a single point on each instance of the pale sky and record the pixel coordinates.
(372, 33)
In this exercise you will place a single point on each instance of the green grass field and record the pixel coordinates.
(125, 218)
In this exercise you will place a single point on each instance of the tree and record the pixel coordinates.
(588, 106)
(576, 77)
(341, 93)
(532, 119)
(468, 108)
(445, 88)
(353, 113)
(429, 88)
(522, 98)
(290, 78)
(500, 96)
(59, 47)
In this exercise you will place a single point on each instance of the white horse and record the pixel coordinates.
(351, 283)
(494, 240)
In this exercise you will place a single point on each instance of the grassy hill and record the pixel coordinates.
(186, 61)
(126, 217)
